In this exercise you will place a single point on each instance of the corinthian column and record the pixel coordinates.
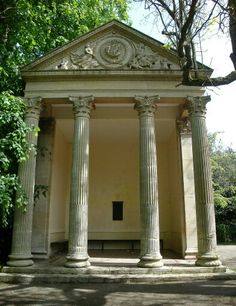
(22, 228)
(203, 184)
(150, 237)
(78, 218)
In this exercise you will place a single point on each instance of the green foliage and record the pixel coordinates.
(13, 150)
(30, 28)
(224, 183)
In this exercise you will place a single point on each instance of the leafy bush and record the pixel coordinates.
(13, 150)
(224, 183)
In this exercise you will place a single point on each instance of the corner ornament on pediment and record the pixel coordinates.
(196, 106)
(113, 52)
(146, 105)
(82, 105)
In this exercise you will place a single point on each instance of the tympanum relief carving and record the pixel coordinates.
(114, 52)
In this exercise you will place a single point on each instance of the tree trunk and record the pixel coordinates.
(232, 29)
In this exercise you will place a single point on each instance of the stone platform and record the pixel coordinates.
(112, 267)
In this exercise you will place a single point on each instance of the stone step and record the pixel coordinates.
(112, 270)
(108, 278)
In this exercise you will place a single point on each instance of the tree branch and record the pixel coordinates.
(166, 8)
(232, 26)
(5, 10)
(207, 20)
(185, 29)
(219, 81)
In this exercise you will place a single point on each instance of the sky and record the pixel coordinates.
(221, 110)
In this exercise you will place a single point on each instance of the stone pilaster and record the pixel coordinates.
(22, 228)
(150, 234)
(78, 217)
(189, 215)
(40, 230)
(203, 184)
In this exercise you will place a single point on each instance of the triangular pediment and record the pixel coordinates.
(113, 46)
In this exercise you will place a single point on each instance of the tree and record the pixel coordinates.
(30, 28)
(185, 23)
(224, 182)
(13, 149)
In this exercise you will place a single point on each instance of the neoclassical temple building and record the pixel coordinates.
(122, 153)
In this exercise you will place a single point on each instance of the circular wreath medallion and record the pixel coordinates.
(113, 52)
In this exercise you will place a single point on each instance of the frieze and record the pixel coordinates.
(114, 52)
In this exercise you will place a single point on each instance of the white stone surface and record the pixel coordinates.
(149, 211)
(206, 230)
(78, 217)
(189, 216)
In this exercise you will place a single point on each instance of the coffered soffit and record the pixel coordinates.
(113, 46)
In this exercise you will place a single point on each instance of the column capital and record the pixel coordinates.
(184, 126)
(34, 106)
(197, 105)
(146, 105)
(82, 105)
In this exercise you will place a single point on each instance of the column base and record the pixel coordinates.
(190, 254)
(76, 262)
(150, 262)
(20, 261)
(208, 260)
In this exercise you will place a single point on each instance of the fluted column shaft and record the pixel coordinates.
(149, 211)
(22, 227)
(78, 216)
(203, 184)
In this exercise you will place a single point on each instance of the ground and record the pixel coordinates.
(204, 292)
(171, 293)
